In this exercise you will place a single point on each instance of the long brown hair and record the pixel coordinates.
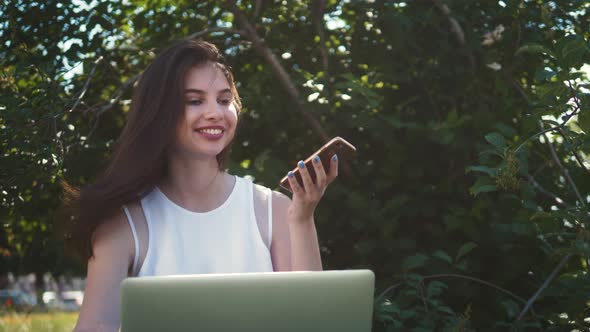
(139, 161)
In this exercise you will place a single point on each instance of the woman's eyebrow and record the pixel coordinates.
(204, 92)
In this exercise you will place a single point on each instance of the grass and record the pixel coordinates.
(37, 322)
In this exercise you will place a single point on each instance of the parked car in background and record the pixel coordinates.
(72, 300)
(68, 301)
(50, 300)
(12, 299)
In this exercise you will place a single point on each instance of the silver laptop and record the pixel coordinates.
(271, 301)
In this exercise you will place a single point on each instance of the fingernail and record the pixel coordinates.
(290, 174)
(316, 159)
(301, 164)
(335, 158)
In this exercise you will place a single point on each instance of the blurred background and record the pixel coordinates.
(468, 197)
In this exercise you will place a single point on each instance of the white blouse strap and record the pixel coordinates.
(135, 241)
(269, 217)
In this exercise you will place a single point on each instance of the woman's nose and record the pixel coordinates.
(213, 111)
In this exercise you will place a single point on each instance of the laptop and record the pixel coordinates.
(338, 300)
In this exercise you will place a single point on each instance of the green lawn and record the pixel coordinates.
(38, 322)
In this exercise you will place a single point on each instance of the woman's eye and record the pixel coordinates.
(194, 102)
(225, 101)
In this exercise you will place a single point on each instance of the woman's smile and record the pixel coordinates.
(211, 133)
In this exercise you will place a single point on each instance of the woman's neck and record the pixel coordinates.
(197, 185)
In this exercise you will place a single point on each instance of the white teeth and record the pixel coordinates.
(211, 131)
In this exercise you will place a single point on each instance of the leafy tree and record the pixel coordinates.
(469, 194)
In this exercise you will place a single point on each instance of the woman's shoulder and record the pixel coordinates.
(113, 236)
(261, 191)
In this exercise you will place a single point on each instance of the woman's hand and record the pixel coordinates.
(306, 198)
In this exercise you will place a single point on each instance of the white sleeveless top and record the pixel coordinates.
(223, 240)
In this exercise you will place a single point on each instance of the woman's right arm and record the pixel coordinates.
(113, 249)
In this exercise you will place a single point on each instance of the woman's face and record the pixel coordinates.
(210, 115)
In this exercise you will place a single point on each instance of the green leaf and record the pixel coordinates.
(421, 329)
(572, 50)
(496, 139)
(395, 326)
(533, 48)
(484, 169)
(385, 318)
(551, 122)
(512, 308)
(505, 130)
(389, 307)
(584, 120)
(527, 191)
(435, 288)
(486, 154)
(482, 185)
(544, 75)
(445, 310)
(464, 250)
(524, 229)
(583, 247)
(549, 91)
(414, 262)
(407, 314)
(443, 255)
(414, 278)
(484, 189)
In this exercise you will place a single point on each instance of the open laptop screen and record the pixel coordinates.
(271, 301)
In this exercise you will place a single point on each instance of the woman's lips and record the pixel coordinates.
(211, 133)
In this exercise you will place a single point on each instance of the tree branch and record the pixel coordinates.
(318, 21)
(546, 192)
(115, 97)
(94, 126)
(86, 84)
(542, 132)
(423, 295)
(563, 170)
(387, 290)
(456, 29)
(558, 128)
(59, 142)
(516, 86)
(459, 276)
(113, 100)
(477, 280)
(579, 107)
(278, 69)
(530, 302)
(433, 105)
(257, 8)
(576, 155)
(217, 29)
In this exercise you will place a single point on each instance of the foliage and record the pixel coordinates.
(454, 197)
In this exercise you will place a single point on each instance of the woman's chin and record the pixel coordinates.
(205, 155)
(196, 154)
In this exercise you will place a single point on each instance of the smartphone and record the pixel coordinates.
(336, 146)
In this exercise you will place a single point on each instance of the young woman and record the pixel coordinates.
(167, 206)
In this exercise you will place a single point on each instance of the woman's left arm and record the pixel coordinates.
(295, 245)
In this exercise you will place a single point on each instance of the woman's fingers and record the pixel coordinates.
(320, 173)
(333, 173)
(307, 195)
(305, 177)
(295, 187)
(322, 179)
